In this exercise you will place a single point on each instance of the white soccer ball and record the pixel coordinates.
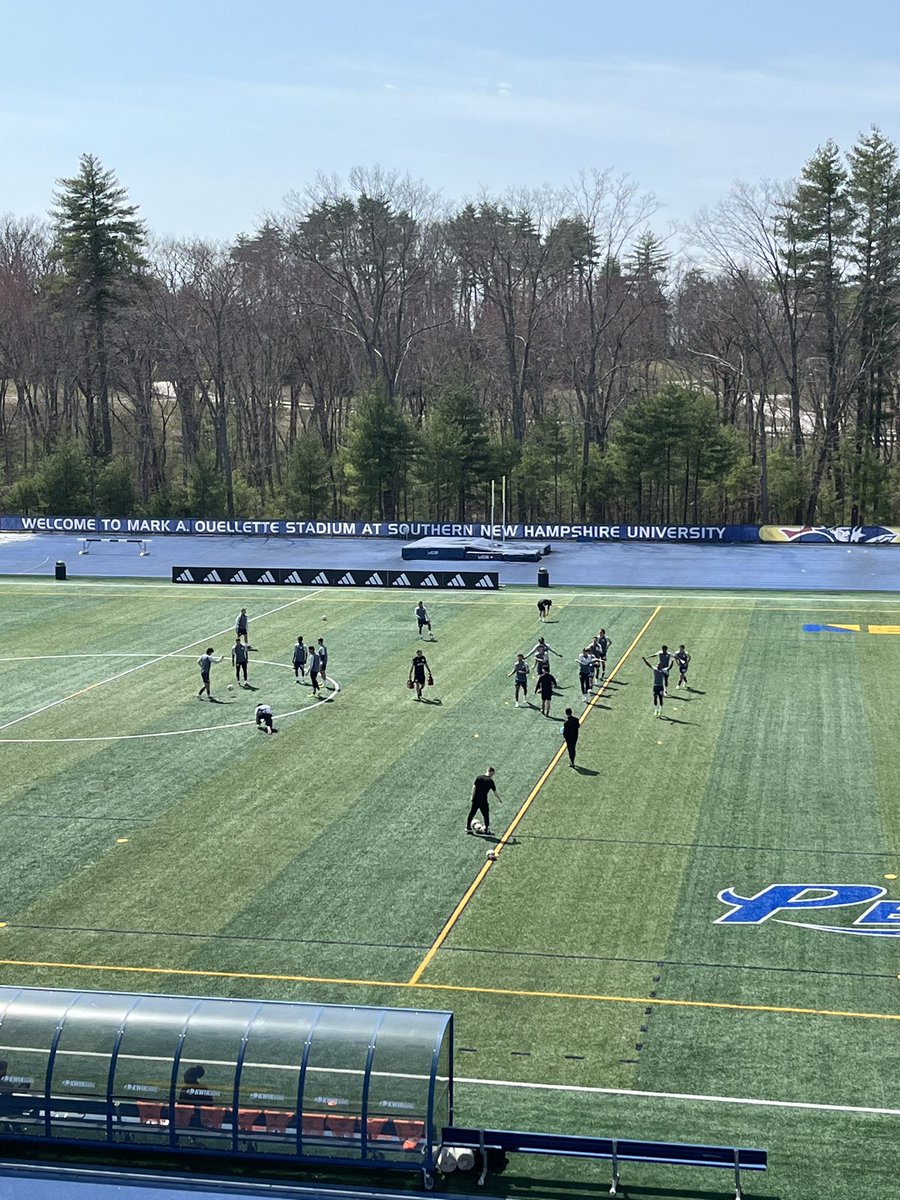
(324, 618)
(231, 687)
(478, 827)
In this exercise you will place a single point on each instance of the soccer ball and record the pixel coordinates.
(231, 687)
(324, 618)
(478, 827)
(491, 856)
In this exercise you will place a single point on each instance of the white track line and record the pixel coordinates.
(602, 1091)
(135, 737)
(150, 663)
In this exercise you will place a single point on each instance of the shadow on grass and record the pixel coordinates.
(585, 770)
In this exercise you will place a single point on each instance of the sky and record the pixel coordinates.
(210, 113)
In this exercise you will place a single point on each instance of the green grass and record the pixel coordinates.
(588, 957)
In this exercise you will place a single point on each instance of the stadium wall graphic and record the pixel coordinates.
(538, 531)
(488, 581)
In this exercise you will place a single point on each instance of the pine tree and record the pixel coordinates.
(819, 219)
(99, 243)
(874, 188)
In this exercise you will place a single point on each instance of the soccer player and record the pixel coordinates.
(570, 731)
(543, 607)
(541, 650)
(240, 656)
(322, 651)
(664, 659)
(585, 662)
(241, 626)
(682, 661)
(423, 619)
(481, 789)
(300, 656)
(315, 666)
(545, 685)
(659, 686)
(205, 663)
(417, 672)
(602, 644)
(265, 717)
(520, 670)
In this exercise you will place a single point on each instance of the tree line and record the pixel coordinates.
(369, 351)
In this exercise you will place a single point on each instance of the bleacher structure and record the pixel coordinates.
(321, 1084)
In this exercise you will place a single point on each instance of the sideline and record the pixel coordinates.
(517, 819)
(471, 989)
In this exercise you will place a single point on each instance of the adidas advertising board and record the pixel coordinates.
(310, 577)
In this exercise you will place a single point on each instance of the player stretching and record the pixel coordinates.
(601, 645)
(682, 661)
(520, 670)
(585, 662)
(659, 686)
(664, 662)
(423, 620)
(542, 651)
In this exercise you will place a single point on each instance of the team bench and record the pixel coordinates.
(144, 543)
(614, 1150)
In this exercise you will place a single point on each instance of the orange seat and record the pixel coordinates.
(277, 1122)
(410, 1133)
(249, 1118)
(376, 1131)
(313, 1124)
(212, 1118)
(341, 1126)
(152, 1114)
(184, 1114)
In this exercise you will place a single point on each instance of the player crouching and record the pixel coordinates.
(264, 718)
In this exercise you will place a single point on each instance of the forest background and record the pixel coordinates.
(369, 351)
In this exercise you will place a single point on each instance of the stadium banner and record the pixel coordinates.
(846, 535)
(410, 530)
(310, 577)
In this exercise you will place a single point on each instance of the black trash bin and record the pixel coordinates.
(543, 577)
(60, 570)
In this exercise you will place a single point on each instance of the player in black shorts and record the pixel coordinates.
(659, 686)
(301, 654)
(520, 670)
(682, 662)
(543, 607)
(664, 660)
(481, 789)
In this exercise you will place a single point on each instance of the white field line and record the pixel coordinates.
(690, 1096)
(149, 663)
(136, 737)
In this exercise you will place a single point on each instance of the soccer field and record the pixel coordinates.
(154, 842)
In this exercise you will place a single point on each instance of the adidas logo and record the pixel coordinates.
(294, 577)
(266, 577)
(239, 577)
(347, 581)
(212, 577)
(400, 581)
(321, 579)
(374, 581)
(485, 582)
(456, 581)
(429, 581)
(184, 577)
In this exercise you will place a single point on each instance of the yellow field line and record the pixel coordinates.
(513, 993)
(514, 824)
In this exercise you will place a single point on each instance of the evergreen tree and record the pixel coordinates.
(874, 188)
(99, 243)
(378, 452)
(63, 482)
(456, 457)
(306, 480)
(819, 220)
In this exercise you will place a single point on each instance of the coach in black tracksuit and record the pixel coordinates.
(570, 732)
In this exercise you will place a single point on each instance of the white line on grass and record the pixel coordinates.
(134, 737)
(150, 663)
(603, 1091)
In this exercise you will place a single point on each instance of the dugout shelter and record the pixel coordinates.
(323, 1084)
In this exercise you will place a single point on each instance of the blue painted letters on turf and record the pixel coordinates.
(791, 897)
